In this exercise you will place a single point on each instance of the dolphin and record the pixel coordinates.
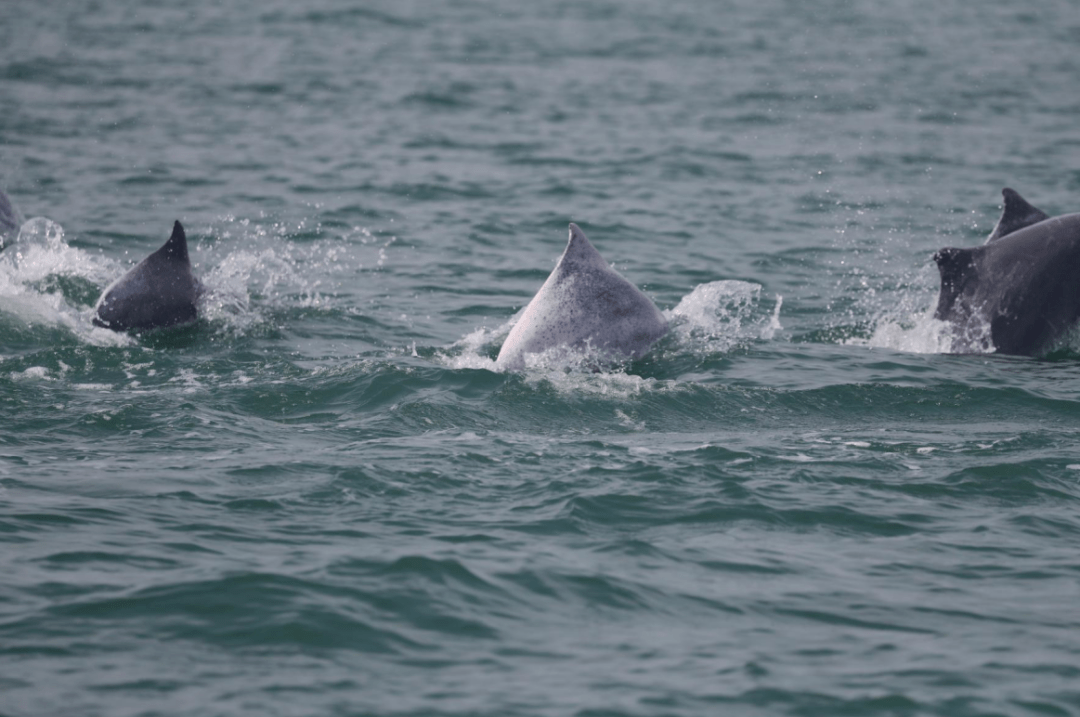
(584, 304)
(1020, 288)
(159, 291)
(10, 220)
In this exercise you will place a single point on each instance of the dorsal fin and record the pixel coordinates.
(175, 249)
(579, 252)
(1017, 214)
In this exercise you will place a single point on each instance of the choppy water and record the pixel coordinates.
(322, 500)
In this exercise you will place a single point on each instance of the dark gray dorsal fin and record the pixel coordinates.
(1016, 215)
(176, 248)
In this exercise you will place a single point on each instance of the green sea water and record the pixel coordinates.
(323, 499)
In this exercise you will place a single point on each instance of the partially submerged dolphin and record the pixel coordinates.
(1020, 289)
(159, 291)
(584, 304)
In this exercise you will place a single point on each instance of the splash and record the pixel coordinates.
(226, 300)
(254, 271)
(40, 251)
(723, 315)
(914, 334)
(1068, 342)
(475, 350)
(902, 328)
(46, 282)
(614, 383)
(566, 371)
(897, 313)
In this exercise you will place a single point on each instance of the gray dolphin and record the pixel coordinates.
(584, 303)
(10, 220)
(159, 291)
(1021, 286)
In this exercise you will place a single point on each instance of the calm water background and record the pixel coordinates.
(322, 500)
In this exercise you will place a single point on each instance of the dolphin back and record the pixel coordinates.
(584, 304)
(1019, 289)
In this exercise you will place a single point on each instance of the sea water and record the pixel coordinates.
(322, 499)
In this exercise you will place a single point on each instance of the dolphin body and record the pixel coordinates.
(10, 220)
(584, 304)
(159, 291)
(1021, 284)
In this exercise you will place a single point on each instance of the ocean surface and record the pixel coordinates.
(323, 499)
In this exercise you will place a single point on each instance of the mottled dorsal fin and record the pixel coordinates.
(579, 253)
(176, 248)
(1016, 215)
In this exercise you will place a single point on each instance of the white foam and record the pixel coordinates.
(629, 422)
(721, 315)
(38, 255)
(902, 317)
(40, 251)
(564, 370)
(34, 373)
(914, 334)
(561, 369)
(470, 351)
(225, 296)
(616, 385)
(259, 268)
